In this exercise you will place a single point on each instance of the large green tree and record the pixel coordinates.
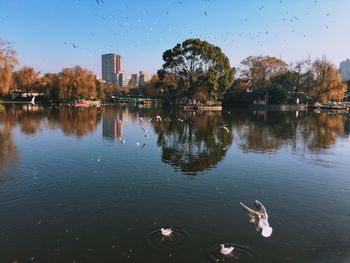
(195, 64)
(8, 59)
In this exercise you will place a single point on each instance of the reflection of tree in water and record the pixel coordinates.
(265, 131)
(79, 122)
(9, 154)
(323, 130)
(8, 150)
(262, 131)
(195, 144)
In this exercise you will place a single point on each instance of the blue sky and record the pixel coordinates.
(43, 32)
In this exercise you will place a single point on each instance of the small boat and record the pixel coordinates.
(82, 104)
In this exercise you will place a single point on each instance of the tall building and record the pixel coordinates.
(345, 69)
(124, 79)
(112, 64)
(119, 62)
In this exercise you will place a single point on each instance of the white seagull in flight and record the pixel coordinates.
(259, 218)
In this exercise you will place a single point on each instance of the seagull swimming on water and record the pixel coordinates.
(259, 218)
(226, 250)
(166, 231)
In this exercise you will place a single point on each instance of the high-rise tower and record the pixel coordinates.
(112, 64)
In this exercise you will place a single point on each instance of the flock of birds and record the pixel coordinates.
(124, 22)
(258, 217)
(158, 118)
(259, 37)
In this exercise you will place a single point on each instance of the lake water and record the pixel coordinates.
(71, 191)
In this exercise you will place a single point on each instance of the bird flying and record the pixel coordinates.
(33, 101)
(259, 218)
(158, 118)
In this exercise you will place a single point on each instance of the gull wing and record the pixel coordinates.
(261, 209)
(250, 212)
(255, 216)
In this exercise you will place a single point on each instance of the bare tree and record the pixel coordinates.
(8, 59)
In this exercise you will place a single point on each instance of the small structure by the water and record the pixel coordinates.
(332, 106)
(87, 103)
(132, 100)
(201, 107)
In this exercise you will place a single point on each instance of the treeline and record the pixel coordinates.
(193, 71)
(304, 81)
(198, 71)
(71, 83)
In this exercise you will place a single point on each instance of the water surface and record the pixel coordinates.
(71, 191)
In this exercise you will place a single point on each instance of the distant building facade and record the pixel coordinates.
(143, 77)
(124, 79)
(133, 80)
(112, 72)
(345, 69)
(112, 64)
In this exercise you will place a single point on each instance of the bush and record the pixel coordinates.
(278, 95)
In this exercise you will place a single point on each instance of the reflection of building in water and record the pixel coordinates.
(112, 128)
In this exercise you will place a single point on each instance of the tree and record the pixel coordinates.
(197, 64)
(111, 89)
(151, 89)
(278, 94)
(49, 85)
(77, 83)
(8, 59)
(327, 82)
(26, 79)
(302, 73)
(261, 70)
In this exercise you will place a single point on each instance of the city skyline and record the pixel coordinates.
(52, 35)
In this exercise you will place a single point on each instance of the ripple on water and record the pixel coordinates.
(240, 254)
(177, 240)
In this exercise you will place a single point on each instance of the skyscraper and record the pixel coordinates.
(112, 64)
(119, 63)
